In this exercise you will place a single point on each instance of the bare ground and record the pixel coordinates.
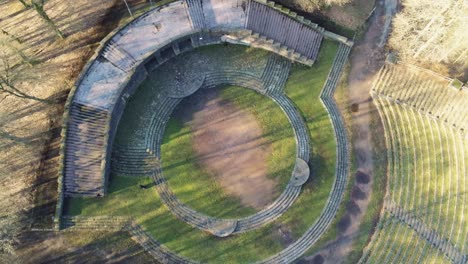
(228, 142)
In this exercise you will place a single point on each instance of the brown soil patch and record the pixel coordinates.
(228, 142)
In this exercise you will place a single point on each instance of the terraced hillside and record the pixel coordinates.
(425, 216)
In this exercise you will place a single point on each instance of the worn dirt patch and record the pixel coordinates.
(228, 142)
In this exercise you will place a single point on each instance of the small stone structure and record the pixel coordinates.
(301, 173)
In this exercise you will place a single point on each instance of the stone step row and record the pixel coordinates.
(104, 223)
(118, 56)
(276, 73)
(157, 124)
(432, 237)
(84, 150)
(206, 223)
(428, 94)
(392, 116)
(133, 161)
(196, 13)
(299, 127)
(334, 75)
(137, 168)
(257, 40)
(280, 28)
(152, 246)
(238, 78)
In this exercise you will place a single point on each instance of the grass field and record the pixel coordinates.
(126, 198)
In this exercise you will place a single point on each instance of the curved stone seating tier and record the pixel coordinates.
(133, 160)
(186, 89)
(455, 255)
(233, 77)
(153, 247)
(425, 91)
(161, 116)
(276, 74)
(299, 247)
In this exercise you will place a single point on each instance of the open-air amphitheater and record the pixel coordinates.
(105, 133)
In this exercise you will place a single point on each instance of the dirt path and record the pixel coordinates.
(366, 59)
(229, 143)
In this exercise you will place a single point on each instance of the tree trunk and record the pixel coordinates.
(24, 3)
(40, 10)
(17, 93)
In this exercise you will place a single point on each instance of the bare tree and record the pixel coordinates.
(431, 31)
(8, 78)
(5, 135)
(24, 3)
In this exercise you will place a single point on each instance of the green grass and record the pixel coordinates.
(196, 186)
(126, 198)
(457, 84)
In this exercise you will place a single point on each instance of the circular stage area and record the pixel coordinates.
(272, 211)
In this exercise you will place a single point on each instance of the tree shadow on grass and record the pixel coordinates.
(116, 247)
